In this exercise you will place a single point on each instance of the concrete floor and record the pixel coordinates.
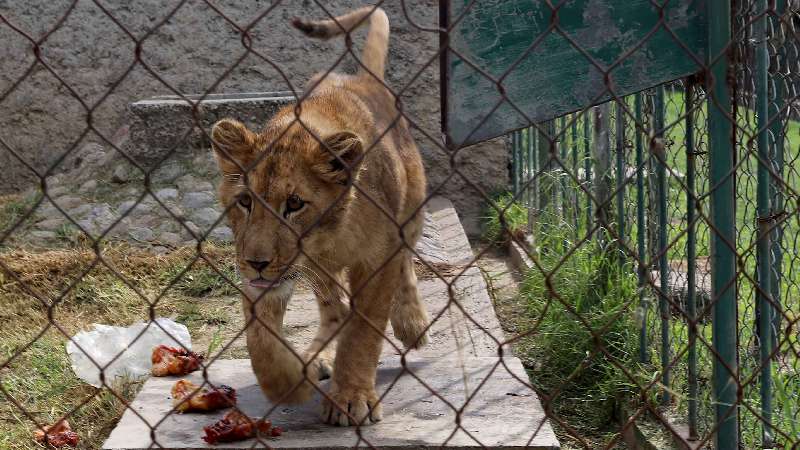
(459, 370)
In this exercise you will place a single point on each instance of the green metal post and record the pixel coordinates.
(535, 211)
(553, 152)
(562, 177)
(691, 256)
(543, 149)
(723, 227)
(574, 147)
(620, 184)
(763, 291)
(641, 229)
(562, 133)
(515, 161)
(587, 166)
(601, 158)
(532, 188)
(526, 169)
(776, 115)
(658, 150)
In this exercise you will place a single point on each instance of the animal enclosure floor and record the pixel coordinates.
(460, 365)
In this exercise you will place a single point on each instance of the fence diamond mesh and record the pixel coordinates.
(658, 224)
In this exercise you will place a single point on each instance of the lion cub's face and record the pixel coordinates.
(285, 191)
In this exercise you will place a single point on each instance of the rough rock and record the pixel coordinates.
(141, 234)
(221, 234)
(204, 217)
(186, 183)
(169, 238)
(80, 211)
(194, 200)
(88, 187)
(57, 191)
(121, 174)
(167, 194)
(51, 224)
(68, 202)
(125, 206)
(167, 172)
(44, 235)
(192, 226)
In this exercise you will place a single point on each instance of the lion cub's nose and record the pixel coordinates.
(258, 265)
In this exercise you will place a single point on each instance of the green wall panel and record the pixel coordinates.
(546, 71)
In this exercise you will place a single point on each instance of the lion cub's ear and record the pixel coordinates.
(234, 146)
(349, 149)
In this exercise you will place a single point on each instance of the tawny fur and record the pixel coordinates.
(357, 182)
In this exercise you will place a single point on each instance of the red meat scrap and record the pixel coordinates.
(187, 396)
(236, 426)
(174, 361)
(57, 435)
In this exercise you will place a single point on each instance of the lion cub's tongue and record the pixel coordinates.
(264, 284)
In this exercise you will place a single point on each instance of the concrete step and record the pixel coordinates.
(459, 363)
(501, 413)
(159, 125)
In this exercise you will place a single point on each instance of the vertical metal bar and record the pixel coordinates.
(574, 147)
(515, 161)
(545, 185)
(641, 229)
(587, 166)
(776, 115)
(723, 227)
(620, 182)
(763, 290)
(562, 133)
(691, 256)
(526, 174)
(553, 149)
(562, 177)
(532, 189)
(658, 150)
(602, 161)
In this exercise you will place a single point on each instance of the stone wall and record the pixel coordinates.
(42, 118)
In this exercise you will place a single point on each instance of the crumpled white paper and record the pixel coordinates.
(104, 342)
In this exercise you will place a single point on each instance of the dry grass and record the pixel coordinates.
(76, 289)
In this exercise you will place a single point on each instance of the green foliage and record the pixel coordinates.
(510, 220)
(586, 331)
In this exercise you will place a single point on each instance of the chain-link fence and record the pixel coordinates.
(638, 176)
(660, 227)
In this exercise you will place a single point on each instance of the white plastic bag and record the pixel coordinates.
(105, 342)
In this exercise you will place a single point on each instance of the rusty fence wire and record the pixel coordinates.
(638, 174)
(691, 301)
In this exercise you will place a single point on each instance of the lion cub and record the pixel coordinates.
(330, 191)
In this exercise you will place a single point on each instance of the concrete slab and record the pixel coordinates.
(161, 125)
(500, 413)
(460, 359)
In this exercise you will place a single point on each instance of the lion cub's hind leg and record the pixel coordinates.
(408, 316)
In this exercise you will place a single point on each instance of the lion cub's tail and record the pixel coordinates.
(373, 57)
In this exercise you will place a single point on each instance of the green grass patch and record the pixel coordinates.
(567, 210)
(574, 308)
(508, 219)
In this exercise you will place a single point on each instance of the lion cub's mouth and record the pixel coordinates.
(262, 283)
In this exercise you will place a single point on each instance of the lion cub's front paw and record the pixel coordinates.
(352, 407)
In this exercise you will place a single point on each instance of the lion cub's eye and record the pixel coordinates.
(245, 201)
(293, 203)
